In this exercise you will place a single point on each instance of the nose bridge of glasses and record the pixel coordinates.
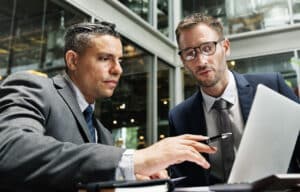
(197, 53)
(201, 50)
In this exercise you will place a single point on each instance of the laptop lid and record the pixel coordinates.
(269, 137)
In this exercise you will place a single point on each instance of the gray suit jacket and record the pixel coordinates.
(44, 139)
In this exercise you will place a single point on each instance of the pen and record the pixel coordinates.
(218, 137)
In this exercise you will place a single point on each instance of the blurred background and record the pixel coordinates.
(264, 36)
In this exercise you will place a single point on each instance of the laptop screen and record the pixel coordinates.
(269, 137)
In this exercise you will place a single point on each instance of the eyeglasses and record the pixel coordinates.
(207, 48)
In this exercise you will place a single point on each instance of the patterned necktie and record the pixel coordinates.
(224, 124)
(88, 115)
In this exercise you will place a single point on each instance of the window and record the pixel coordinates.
(296, 11)
(163, 16)
(57, 20)
(215, 8)
(7, 7)
(140, 7)
(164, 98)
(32, 37)
(240, 16)
(125, 113)
(268, 63)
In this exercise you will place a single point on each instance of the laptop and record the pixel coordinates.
(269, 137)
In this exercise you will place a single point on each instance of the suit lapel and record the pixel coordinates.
(67, 94)
(246, 94)
(198, 123)
(196, 113)
(103, 136)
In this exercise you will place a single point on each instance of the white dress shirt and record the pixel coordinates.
(125, 169)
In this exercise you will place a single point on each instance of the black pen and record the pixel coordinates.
(217, 137)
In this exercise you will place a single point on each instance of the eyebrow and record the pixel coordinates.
(197, 45)
(109, 55)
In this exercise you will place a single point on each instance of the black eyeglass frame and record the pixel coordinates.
(198, 47)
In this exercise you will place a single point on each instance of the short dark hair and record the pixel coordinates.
(196, 18)
(78, 36)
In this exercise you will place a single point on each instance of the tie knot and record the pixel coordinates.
(221, 104)
(88, 112)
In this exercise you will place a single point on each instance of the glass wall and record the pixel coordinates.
(296, 11)
(125, 113)
(5, 39)
(296, 63)
(268, 63)
(32, 36)
(214, 8)
(242, 15)
(140, 7)
(144, 9)
(163, 16)
(163, 98)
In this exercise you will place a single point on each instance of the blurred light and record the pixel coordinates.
(141, 137)
(165, 102)
(115, 122)
(3, 51)
(232, 63)
(162, 136)
(34, 72)
(132, 120)
(123, 106)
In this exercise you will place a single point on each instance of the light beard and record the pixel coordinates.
(208, 84)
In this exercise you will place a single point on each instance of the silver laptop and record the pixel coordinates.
(269, 137)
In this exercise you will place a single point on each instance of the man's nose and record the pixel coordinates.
(201, 59)
(117, 68)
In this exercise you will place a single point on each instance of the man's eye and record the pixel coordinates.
(104, 58)
(189, 52)
(206, 49)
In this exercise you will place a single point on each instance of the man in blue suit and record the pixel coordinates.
(203, 51)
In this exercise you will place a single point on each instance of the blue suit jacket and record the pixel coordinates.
(188, 117)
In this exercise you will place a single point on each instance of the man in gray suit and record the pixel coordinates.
(45, 142)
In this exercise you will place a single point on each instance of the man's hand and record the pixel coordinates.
(169, 151)
(163, 174)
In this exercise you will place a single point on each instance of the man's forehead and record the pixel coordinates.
(112, 43)
(200, 32)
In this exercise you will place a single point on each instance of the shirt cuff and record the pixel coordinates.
(125, 169)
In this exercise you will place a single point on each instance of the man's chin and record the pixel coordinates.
(105, 95)
(207, 83)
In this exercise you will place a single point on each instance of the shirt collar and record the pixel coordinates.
(83, 104)
(228, 94)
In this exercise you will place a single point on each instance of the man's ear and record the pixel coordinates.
(71, 60)
(226, 45)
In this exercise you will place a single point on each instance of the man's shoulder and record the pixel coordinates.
(259, 75)
(27, 81)
(27, 76)
(187, 103)
(262, 75)
(253, 79)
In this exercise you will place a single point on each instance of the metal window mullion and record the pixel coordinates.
(152, 102)
(153, 13)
